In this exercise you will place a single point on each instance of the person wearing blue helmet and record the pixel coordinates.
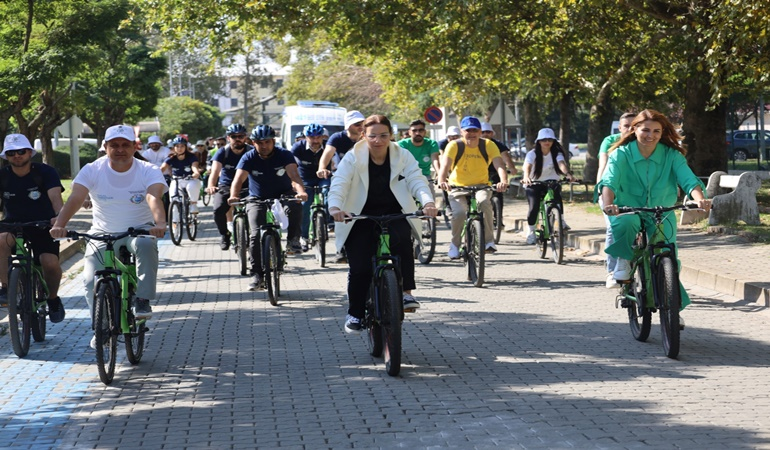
(307, 152)
(272, 172)
(299, 136)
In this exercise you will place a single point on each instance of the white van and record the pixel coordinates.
(327, 114)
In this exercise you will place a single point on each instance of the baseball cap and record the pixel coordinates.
(16, 142)
(119, 131)
(201, 142)
(353, 117)
(453, 131)
(545, 133)
(154, 140)
(485, 126)
(469, 122)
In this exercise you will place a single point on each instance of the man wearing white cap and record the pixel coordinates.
(157, 152)
(338, 144)
(31, 192)
(126, 193)
(452, 133)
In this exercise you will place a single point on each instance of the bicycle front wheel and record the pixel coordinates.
(669, 302)
(374, 329)
(497, 209)
(241, 233)
(639, 315)
(106, 341)
(391, 315)
(556, 224)
(19, 312)
(319, 223)
(39, 313)
(427, 241)
(474, 244)
(191, 223)
(205, 197)
(270, 261)
(175, 222)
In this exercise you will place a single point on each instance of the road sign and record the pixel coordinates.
(433, 114)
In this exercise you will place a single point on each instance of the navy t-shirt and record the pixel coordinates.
(229, 161)
(341, 142)
(22, 198)
(182, 168)
(307, 162)
(268, 177)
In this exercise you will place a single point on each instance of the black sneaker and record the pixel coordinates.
(410, 303)
(224, 241)
(3, 297)
(294, 247)
(55, 310)
(257, 284)
(340, 258)
(352, 325)
(142, 309)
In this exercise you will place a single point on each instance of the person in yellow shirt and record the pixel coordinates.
(465, 163)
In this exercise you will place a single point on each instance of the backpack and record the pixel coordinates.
(461, 150)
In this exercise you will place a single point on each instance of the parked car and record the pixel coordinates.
(744, 144)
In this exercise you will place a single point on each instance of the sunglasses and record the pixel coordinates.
(16, 152)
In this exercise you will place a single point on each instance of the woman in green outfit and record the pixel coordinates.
(645, 169)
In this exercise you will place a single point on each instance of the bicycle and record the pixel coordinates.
(114, 290)
(425, 249)
(549, 229)
(241, 236)
(473, 242)
(384, 311)
(205, 196)
(318, 233)
(27, 291)
(655, 283)
(497, 220)
(179, 214)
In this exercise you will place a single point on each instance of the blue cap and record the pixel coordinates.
(470, 122)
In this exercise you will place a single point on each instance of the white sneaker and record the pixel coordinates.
(352, 325)
(490, 247)
(230, 227)
(92, 344)
(193, 208)
(531, 238)
(622, 270)
(454, 252)
(610, 283)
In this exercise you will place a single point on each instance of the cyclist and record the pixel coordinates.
(272, 172)
(127, 193)
(223, 166)
(184, 163)
(465, 162)
(646, 167)
(487, 132)
(156, 152)
(545, 162)
(202, 153)
(377, 177)
(452, 133)
(31, 192)
(425, 150)
(307, 153)
(298, 137)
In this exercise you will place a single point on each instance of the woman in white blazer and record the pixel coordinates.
(377, 177)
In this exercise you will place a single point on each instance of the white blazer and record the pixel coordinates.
(350, 186)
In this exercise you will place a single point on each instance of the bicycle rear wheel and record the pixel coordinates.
(669, 302)
(639, 315)
(106, 341)
(497, 220)
(427, 241)
(270, 261)
(39, 314)
(556, 224)
(319, 223)
(474, 245)
(19, 310)
(191, 223)
(391, 315)
(241, 233)
(374, 330)
(175, 222)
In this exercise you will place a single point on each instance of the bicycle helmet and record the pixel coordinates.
(236, 128)
(314, 130)
(262, 132)
(178, 140)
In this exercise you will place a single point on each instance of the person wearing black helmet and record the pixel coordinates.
(272, 172)
(183, 163)
(223, 166)
(308, 152)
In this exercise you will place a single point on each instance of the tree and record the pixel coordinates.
(183, 115)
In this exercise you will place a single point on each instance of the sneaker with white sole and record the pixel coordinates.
(531, 238)
(410, 302)
(352, 325)
(622, 270)
(610, 283)
(142, 309)
(454, 252)
(490, 247)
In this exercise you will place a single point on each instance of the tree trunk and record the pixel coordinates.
(704, 130)
(532, 121)
(565, 116)
(599, 121)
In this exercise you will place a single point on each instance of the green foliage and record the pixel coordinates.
(192, 117)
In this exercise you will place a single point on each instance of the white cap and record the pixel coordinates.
(453, 131)
(120, 131)
(16, 142)
(353, 117)
(485, 126)
(545, 133)
(154, 140)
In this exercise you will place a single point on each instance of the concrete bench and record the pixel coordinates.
(733, 197)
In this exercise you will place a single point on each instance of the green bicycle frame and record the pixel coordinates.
(473, 210)
(318, 203)
(124, 275)
(23, 258)
(647, 255)
(549, 197)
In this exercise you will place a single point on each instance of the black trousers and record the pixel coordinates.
(535, 195)
(256, 215)
(219, 203)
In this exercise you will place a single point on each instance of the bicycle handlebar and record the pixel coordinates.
(107, 237)
(419, 214)
(10, 226)
(658, 209)
(471, 189)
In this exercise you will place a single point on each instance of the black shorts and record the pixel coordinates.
(40, 241)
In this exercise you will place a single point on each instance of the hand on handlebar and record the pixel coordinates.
(339, 215)
(158, 230)
(611, 210)
(58, 232)
(323, 173)
(430, 210)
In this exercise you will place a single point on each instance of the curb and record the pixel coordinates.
(725, 284)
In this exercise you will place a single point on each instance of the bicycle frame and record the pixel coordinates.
(319, 204)
(648, 253)
(23, 258)
(122, 275)
(383, 260)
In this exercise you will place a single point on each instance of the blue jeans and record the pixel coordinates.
(609, 240)
(311, 190)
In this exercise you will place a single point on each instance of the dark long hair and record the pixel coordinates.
(670, 137)
(556, 148)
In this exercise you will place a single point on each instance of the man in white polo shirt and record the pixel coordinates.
(125, 192)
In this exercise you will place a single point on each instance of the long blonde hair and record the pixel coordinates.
(670, 137)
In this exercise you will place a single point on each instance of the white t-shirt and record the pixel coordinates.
(548, 172)
(119, 198)
(158, 157)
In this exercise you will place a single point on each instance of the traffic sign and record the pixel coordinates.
(433, 114)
